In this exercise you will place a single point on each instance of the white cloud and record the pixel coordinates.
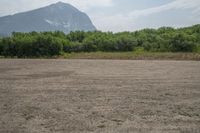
(177, 4)
(126, 22)
(116, 23)
(14, 6)
(85, 4)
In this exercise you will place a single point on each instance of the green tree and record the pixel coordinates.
(125, 43)
(1, 47)
(90, 44)
(76, 36)
(181, 43)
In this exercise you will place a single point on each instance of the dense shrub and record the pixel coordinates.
(1, 47)
(125, 43)
(90, 44)
(77, 36)
(164, 39)
(181, 43)
(73, 47)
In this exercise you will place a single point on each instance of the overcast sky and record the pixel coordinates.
(122, 15)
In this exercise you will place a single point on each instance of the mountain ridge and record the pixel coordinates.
(59, 16)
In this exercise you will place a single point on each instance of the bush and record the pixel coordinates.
(108, 45)
(77, 36)
(1, 47)
(181, 43)
(47, 46)
(165, 39)
(73, 47)
(9, 47)
(197, 48)
(25, 46)
(125, 43)
(90, 44)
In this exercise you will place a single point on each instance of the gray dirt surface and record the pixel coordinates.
(99, 96)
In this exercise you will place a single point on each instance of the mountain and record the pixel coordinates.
(60, 16)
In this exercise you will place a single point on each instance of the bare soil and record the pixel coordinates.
(99, 96)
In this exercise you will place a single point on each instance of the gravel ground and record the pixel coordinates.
(99, 96)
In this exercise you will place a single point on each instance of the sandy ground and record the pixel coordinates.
(99, 96)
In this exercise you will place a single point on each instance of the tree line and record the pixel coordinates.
(164, 39)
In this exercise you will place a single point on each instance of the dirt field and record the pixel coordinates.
(102, 96)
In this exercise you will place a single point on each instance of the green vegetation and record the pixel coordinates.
(48, 44)
(133, 55)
